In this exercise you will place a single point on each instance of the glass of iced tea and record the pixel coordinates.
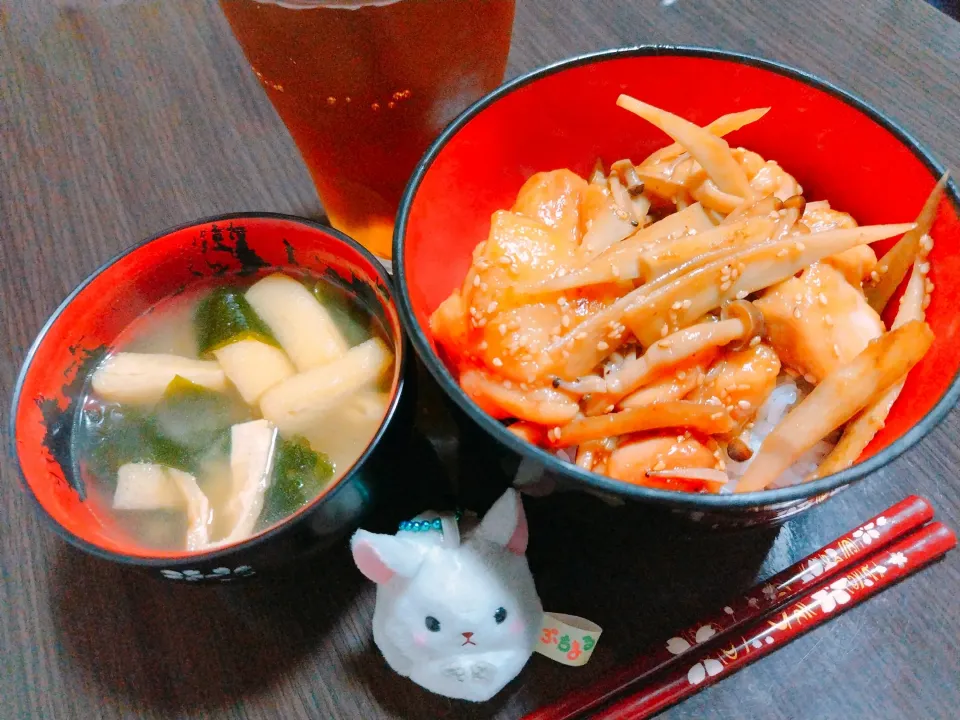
(364, 86)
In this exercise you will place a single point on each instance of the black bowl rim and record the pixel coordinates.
(691, 501)
(204, 558)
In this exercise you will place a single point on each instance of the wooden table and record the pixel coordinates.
(116, 122)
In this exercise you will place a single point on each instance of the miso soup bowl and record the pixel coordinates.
(241, 246)
(565, 116)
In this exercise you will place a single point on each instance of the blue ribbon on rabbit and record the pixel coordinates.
(457, 611)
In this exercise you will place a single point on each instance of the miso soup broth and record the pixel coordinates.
(225, 409)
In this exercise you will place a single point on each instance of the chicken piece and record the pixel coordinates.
(493, 323)
(741, 381)
(766, 176)
(449, 326)
(820, 217)
(857, 263)
(818, 321)
(633, 459)
(554, 199)
(513, 339)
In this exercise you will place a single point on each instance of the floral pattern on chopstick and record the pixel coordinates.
(844, 551)
(846, 548)
(823, 602)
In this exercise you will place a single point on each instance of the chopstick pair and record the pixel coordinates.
(842, 574)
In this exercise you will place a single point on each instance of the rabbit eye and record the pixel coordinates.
(500, 615)
(433, 625)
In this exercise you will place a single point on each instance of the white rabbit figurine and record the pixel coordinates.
(459, 618)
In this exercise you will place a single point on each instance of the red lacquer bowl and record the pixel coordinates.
(241, 246)
(565, 115)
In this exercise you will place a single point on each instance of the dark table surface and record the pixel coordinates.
(120, 119)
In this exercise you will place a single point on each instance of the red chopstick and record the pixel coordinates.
(814, 608)
(835, 557)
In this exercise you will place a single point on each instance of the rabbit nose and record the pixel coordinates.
(467, 635)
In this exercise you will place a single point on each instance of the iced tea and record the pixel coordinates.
(364, 89)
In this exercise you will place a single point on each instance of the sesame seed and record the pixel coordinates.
(502, 328)
(682, 375)
(828, 320)
(798, 297)
(556, 432)
(664, 331)
(482, 322)
(724, 286)
(664, 344)
(875, 276)
(608, 409)
(800, 246)
(497, 362)
(884, 268)
(580, 335)
(782, 253)
(484, 287)
(565, 321)
(836, 350)
(810, 378)
(508, 385)
(615, 271)
(716, 416)
(492, 306)
(754, 341)
(823, 299)
(742, 294)
(601, 346)
(504, 260)
(679, 438)
(476, 281)
(561, 272)
(565, 354)
(687, 304)
(721, 465)
(677, 305)
(744, 405)
(797, 313)
(483, 345)
(659, 466)
(924, 268)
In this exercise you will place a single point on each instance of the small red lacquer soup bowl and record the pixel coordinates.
(566, 116)
(234, 250)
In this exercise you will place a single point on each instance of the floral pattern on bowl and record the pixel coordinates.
(222, 574)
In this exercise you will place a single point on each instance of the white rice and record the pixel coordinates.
(785, 396)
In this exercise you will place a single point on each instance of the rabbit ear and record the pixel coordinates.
(506, 524)
(380, 557)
